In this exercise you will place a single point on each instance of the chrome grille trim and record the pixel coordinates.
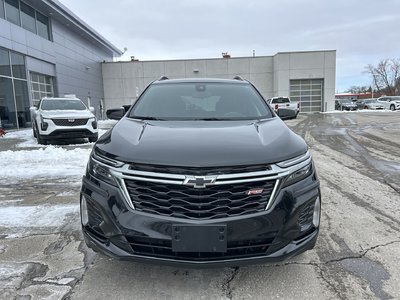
(274, 173)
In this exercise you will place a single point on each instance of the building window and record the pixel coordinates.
(42, 23)
(12, 11)
(5, 69)
(309, 92)
(41, 86)
(14, 95)
(28, 17)
(18, 65)
(22, 102)
(1, 9)
(7, 105)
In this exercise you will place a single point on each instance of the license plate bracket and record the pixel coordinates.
(199, 238)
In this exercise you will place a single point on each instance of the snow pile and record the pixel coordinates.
(50, 161)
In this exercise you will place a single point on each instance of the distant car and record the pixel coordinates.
(345, 104)
(369, 104)
(284, 104)
(63, 118)
(390, 102)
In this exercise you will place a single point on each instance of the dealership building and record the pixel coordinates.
(46, 50)
(307, 77)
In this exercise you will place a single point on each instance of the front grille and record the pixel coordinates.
(163, 249)
(70, 133)
(212, 202)
(70, 122)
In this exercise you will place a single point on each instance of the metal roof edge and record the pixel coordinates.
(63, 10)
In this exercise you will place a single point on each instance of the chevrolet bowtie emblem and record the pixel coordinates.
(199, 182)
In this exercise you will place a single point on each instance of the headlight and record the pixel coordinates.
(99, 167)
(43, 124)
(298, 175)
(93, 121)
(298, 167)
(101, 172)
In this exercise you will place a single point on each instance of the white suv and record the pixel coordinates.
(390, 102)
(63, 118)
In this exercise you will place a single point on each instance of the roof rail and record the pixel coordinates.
(237, 77)
(163, 78)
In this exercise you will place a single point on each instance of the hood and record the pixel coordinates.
(201, 143)
(63, 114)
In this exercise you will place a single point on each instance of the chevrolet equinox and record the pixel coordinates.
(200, 172)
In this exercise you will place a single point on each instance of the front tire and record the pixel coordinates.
(392, 107)
(39, 138)
(34, 130)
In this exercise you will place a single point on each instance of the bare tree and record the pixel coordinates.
(386, 76)
(357, 89)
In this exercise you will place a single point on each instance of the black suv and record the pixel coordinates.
(200, 172)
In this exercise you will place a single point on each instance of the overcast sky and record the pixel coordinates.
(363, 32)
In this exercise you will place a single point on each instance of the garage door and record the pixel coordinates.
(309, 92)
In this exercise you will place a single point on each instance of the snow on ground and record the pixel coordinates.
(19, 221)
(358, 111)
(47, 160)
(50, 161)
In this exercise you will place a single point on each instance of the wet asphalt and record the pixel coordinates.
(356, 256)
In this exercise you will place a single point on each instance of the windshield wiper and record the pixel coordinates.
(210, 119)
(147, 118)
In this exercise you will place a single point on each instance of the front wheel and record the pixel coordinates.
(392, 107)
(39, 138)
(34, 130)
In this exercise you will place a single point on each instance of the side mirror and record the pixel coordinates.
(115, 113)
(91, 108)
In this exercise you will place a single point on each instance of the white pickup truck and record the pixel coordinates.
(284, 103)
(63, 118)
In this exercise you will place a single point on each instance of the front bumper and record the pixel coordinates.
(74, 133)
(284, 231)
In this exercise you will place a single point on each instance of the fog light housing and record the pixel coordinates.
(84, 212)
(94, 124)
(317, 212)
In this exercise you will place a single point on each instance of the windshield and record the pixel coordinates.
(201, 101)
(62, 104)
(345, 101)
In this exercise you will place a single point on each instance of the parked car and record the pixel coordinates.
(284, 104)
(390, 102)
(345, 104)
(63, 118)
(369, 104)
(200, 172)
